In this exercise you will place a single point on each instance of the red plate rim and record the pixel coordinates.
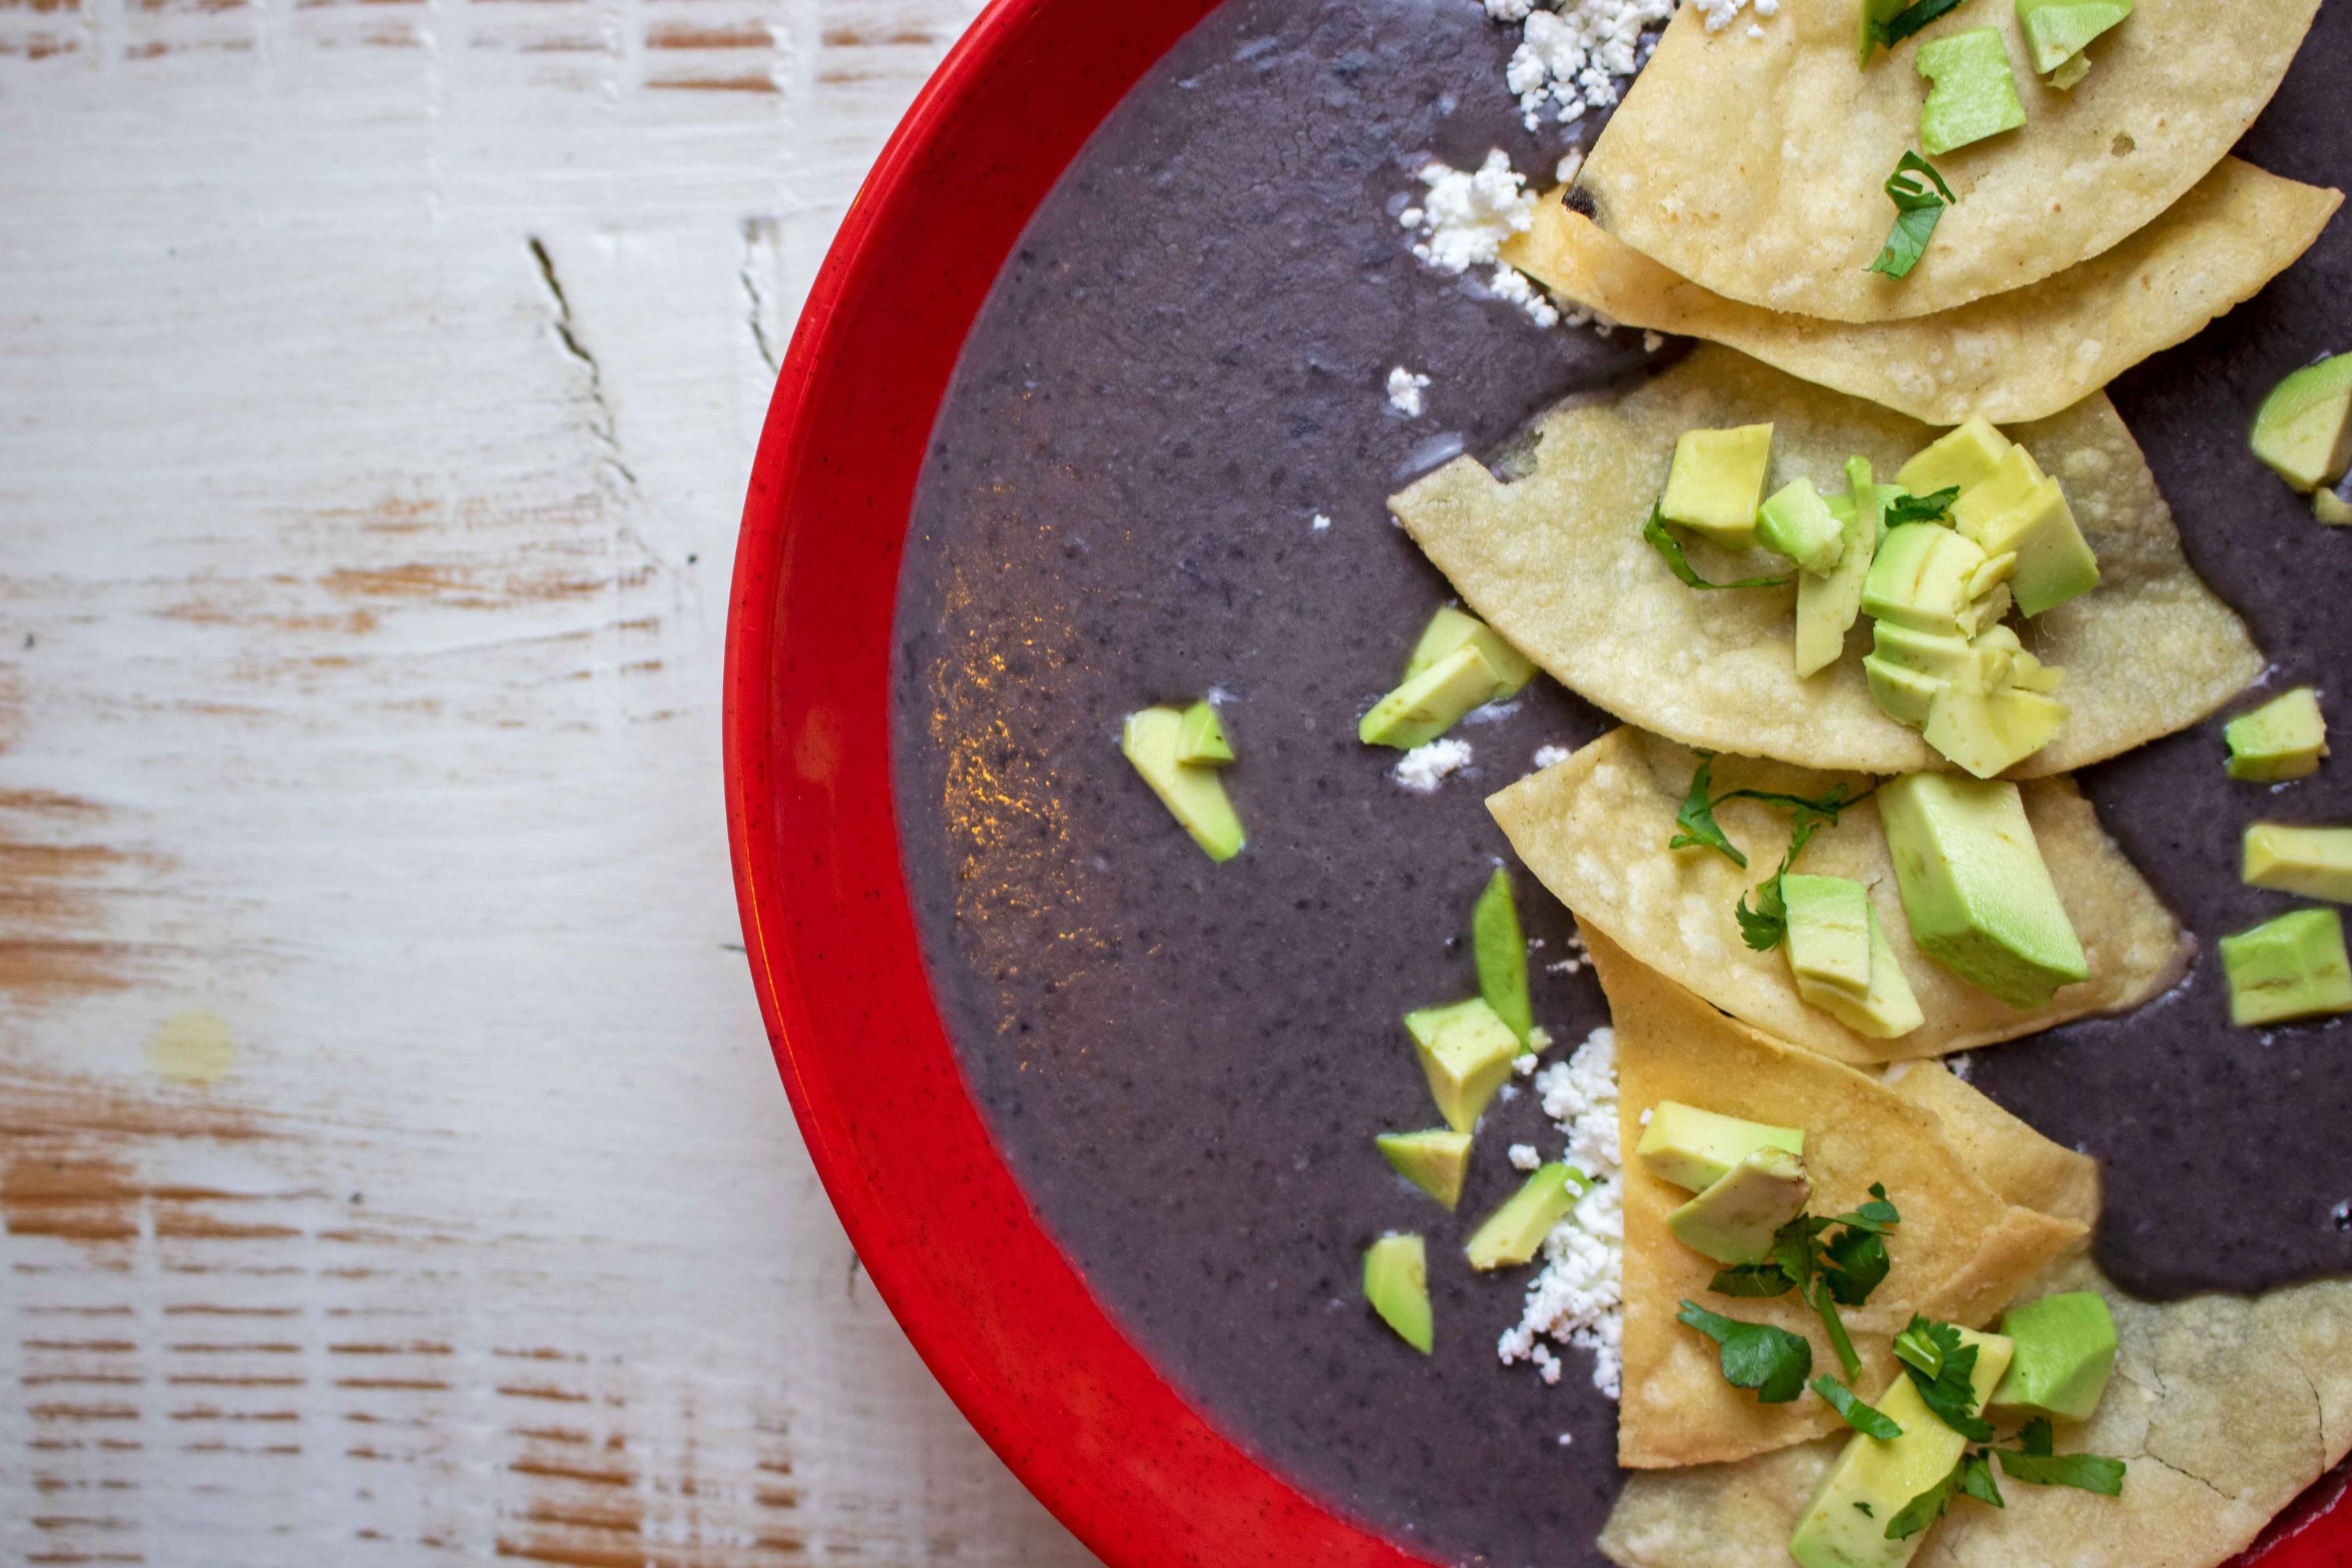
(1002, 1319)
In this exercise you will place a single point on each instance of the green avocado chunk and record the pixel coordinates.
(1195, 797)
(1202, 742)
(1844, 1525)
(1430, 703)
(1983, 702)
(1988, 732)
(2065, 1351)
(1451, 628)
(2054, 562)
(1975, 892)
(1889, 1009)
(2315, 862)
(1514, 1233)
(1921, 578)
(1975, 91)
(1954, 460)
(2330, 506)
(1396, 1282)
(2290, 967)
(1733, 1220)
(1501, 950)
(1695, 1149)
(2057, 30)
(1466, 1052)
(1829, 930)
(2304, 428)
(1434, 1161)
(1828, 603)
(1798, 524)
(1717, 483)
(2283, 739)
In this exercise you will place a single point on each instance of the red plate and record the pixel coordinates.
(1003, 1319)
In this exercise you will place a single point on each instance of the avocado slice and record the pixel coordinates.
(1396, 1282)
(1798, 524)
(1429, 704)
(1695, 1149)
(2330, 506)
(1828, 603)
(1954, 460)
(2290, 967)
(1451, 628)
(1717, 483)
(1151, 739)
(1902, 693)
(2065, 1348)
(2056, 31)
(2315, 862)
(2304, 428)
(1829, 930)
(1733, 1220)
(2010, 482)
(1202, 742)
(1975, 888)
(1466, 1052)
(1435, 1162)
(2283, 739)
(2054, 562)
(1844, 1525)
(1975, 91)
(1920, 578)
(1515, 1232)
(1889, 1009)
(1988, 732)
(1501, 949)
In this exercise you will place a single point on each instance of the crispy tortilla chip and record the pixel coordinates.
(2025, 354)
(1960, 1254)
(2224, 1410)
(1754, 166)
(1594, 829)
(1556, 563)
(2015, 1161)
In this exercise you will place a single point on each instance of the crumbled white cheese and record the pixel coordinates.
(1755, 29)
(1525, 1065)
(1645, 1116)
(1524, 1157)
(1509, 10)
(1552, 756)
(1547, 1364)
(1651, 342)
(1960, 1065)
(1405, 392)
(1321, 523)
(1566, 1438)
(1511, 285)
(1424, 768)
(1572, 59)
(1570, 165)
(1718, 14)
(1579, 1298)
(1464, 221)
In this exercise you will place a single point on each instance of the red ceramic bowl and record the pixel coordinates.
(1003, 1319)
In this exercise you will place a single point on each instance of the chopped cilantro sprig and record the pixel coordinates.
(1944, 1370)
(1887, 33)
(1862, 1417)
(1929, 508)
(1667, 545)
(1824, 1273)
(1695, 827)
(1918, 209)
(2033, 1461)
(1771, 1360)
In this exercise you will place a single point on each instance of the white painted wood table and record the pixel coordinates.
(391, 1169)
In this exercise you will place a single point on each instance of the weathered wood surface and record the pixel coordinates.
(391, 1166)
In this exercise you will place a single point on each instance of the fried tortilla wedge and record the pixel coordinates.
(2224, 1409)
(1753, 166)
(1962, 1253)
(2015, 1161)
(2024, 354)
(1595, 829)
(1555, 561)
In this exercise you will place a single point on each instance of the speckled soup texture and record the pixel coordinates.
(1180, 367)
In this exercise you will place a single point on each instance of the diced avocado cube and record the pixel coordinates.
(1195, 797)
(1429, 704)
(1514, 1233)
(2065, 1351)
(2009, 483)
(1829, 604)
(1501, 949)
(1396, 1283)
(1799, 525)
(2304, 428)
(1717, 482)
(1942, 655)
(2283, 739)
(2330, 506)
(1920, 577)
(1975, 892)
(1888, 1010)
(1954, 460)
(2315, 862)
(1875, 14)
(1451, 628)
(2290, 967)
(1434, 1161)
(1988, 732)
(1829, 930)
(2057, 30)
(1202, 742)
(2054, 562)
(1975, 95)
(1466, 1052)
(2073, 70)
(1903, 694)
(1844, 1525)
(1733, 1221)
(1694, 1149)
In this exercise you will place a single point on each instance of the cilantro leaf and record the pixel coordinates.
(1918, 1348)
(1773, 1362)
(1976, 1479)
(1927, 1508)
(1930, 508)
(1853, 1264)
(1764, 927)
(1753, 1280)
(1944, 1369)
(1696, 818)
(1906, 22)
(1862, 1417)
(1667, 545)
(2038, 1463)
(1825, 1308)
(1917, 210)
(1878, 1213)
(1818, 811)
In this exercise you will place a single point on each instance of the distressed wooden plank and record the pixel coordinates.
(389, 1161)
